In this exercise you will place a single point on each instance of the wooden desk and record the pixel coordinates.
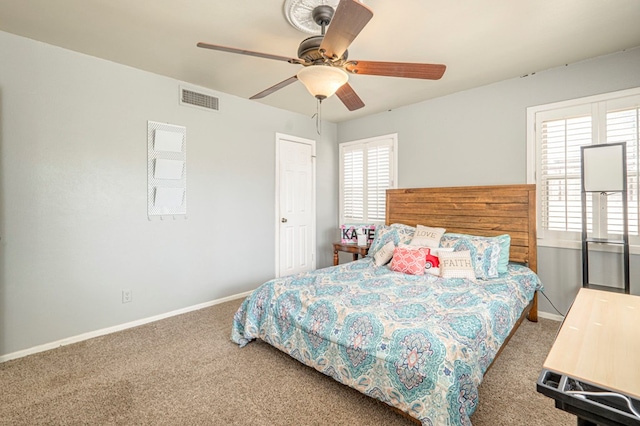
(598, 344)
(348, 248)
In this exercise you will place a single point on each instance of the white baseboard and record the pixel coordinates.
(547, 315)
(116, 328)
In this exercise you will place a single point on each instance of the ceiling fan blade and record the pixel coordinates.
(397, 69)
(350, 18)
(349, 97)
(247, 52)
(275, 87)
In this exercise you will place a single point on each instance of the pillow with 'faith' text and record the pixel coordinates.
(456, 264)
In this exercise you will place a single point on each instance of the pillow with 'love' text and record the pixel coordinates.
(426, 236)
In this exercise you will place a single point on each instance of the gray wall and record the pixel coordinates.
(73, 183)
(73, 178)
(478, 137)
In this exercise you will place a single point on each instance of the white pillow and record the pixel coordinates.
(426, 236)
(435, 270)
(385, 254)
(456, 264)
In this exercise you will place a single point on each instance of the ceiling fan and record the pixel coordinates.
(325, 57)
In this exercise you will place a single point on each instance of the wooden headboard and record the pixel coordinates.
(475, 210)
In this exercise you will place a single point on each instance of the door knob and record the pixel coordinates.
(283, 220)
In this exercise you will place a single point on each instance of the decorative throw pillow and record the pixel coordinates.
(384, 255)
(433, 260)
(405, 232)
(505, 245)
(485, 252)
(398, 233)
(381, 237)
(409, 260)
(425, 236)
(456, 264)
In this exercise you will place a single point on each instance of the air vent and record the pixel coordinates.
(201, 100)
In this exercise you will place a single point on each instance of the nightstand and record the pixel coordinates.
(348, 248)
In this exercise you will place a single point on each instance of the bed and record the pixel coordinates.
(419, 343)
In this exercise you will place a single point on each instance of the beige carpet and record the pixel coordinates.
(185, 371)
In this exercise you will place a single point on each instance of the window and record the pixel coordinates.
(555, 134)
(367, 170)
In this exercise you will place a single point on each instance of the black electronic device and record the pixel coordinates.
(594, 405)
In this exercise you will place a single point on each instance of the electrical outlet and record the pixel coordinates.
(126, 296)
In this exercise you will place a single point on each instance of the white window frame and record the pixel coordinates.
(393, 170)
(597, 106)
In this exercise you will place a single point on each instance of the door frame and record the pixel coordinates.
(280, 137)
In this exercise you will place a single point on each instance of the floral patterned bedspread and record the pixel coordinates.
(418, 343)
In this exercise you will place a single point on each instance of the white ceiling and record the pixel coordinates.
(480, 41)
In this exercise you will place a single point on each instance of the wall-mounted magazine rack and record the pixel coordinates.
(166, 170)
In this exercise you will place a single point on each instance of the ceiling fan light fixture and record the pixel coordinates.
(322, 81)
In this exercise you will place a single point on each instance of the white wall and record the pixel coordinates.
(478, 137)
(73, 222)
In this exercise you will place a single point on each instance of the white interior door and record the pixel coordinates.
(295, 205)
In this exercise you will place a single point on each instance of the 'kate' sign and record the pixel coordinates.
(349, 232)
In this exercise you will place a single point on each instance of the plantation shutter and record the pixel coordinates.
(622, 126)
(378, 181)
(559, 171)
(366, 174)
(353, 184)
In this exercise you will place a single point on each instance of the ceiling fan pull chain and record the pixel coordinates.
(318, 115)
